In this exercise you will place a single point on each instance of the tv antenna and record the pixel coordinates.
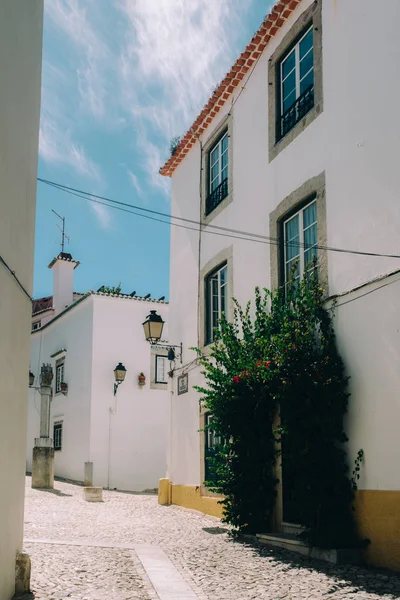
(64, 236)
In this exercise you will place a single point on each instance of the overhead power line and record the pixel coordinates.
(200, 225)
(15, 277)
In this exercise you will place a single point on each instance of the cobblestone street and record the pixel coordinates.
(116, 550)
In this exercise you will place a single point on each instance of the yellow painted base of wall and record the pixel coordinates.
(378, 518)
(188, 496)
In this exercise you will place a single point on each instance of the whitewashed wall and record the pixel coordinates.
(20, 77)
(128, 447)
(368, 332)
(73, 332)
(355, 141)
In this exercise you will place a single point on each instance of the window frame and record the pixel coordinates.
(37, 325)
(60, 365)
(290, 204)
(59, 425)
(222, 128)
(156, 380)
(223, 183)
(299, 211)
(311, 17)
(209, 325)
(295, 47)
(209, 434)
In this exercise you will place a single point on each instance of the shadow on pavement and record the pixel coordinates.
(55, 492)
(215, 530)
(361, 578)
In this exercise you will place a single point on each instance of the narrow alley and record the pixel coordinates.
(130, 547)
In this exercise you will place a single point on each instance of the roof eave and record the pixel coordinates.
(251, 54)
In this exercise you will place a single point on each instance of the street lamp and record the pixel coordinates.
(153, 327)
(119, 374)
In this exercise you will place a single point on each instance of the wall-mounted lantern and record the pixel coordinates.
(31, 379)
(119, 374)
(153, 328)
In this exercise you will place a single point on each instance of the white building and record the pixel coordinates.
(300, 141)
(21, 25)
(86, 337)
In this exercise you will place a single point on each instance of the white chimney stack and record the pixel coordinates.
(63, 267)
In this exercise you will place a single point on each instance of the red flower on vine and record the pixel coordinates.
(267, 363)
(236, 379)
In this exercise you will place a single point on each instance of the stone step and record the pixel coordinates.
(290, 541)
(291, 528)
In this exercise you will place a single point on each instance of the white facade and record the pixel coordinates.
(124, 436)
(20, 77)
(352, 145)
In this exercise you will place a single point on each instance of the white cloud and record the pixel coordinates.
(103, 215)
(56, 146)
(58, 143)
(174, 53)
(135, 182)
(151, 71)
(71, 18)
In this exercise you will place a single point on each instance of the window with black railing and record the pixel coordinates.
(297, 111)
(216, 196)
(217, 173)
(296, 83)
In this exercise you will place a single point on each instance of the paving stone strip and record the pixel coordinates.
(199, 548)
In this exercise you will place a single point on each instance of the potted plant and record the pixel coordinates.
(142, 379)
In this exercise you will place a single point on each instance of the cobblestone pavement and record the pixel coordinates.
(215, 566)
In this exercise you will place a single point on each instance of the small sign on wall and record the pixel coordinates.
(183, 384)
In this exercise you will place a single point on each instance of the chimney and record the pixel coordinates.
(63, 267)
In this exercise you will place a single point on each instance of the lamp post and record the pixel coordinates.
(43, 452)
(153, 328)
(119, 374)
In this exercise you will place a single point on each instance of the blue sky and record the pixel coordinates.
(120, 79)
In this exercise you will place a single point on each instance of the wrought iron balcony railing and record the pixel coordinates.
(217, 196)
(294, 113)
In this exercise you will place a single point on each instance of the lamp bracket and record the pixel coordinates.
(170, 347)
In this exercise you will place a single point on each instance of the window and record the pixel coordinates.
(36, 325)
(57, 435)
(212, 442)
(296, 79)
(59, 374)
(161, 373)
(217, 173)
(216, 299)
(300, 241)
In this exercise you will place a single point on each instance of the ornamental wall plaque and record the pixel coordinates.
(183, 384)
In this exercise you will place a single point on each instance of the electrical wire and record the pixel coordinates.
(15, 277)
(245, 235)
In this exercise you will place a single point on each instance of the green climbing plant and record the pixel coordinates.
(278, 392)
(111, 289)
(357, 467)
